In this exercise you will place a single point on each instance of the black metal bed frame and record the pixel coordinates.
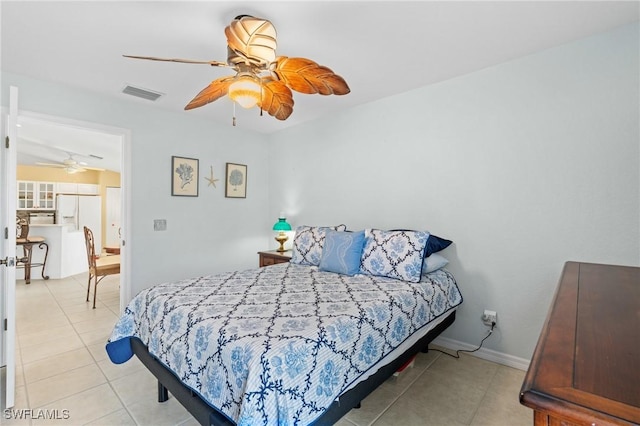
(207, 415)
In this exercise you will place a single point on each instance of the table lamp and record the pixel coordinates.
(281, 226)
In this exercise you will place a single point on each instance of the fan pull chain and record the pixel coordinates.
(234, 114)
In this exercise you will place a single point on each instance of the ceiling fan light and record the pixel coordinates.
(246, 91)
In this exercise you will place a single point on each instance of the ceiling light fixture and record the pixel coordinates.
(246, 90)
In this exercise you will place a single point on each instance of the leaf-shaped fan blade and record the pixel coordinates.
(185, 61)
(305, 76)
(252, 38)
(277, 99)
(217, 89)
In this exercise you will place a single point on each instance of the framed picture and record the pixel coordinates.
(184, 176)
(236, 186)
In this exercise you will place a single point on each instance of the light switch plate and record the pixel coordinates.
(159, 224)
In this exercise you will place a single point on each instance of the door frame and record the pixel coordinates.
(8, 195)
(125, 185)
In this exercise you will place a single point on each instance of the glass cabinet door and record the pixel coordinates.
(46, 199)
(36, 195)
(26, 194)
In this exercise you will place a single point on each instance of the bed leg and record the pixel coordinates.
(425, 350)
(163, 393)
(358, 405)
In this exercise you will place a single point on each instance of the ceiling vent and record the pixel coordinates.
(139, 92)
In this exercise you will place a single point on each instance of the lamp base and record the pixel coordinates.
(281, 238)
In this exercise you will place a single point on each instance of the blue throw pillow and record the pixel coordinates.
(341, 252)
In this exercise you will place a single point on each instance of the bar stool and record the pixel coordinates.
(27, 243)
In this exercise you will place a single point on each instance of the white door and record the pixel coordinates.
(113, 217)
(8, 253)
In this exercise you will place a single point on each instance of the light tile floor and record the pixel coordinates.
(62, 365)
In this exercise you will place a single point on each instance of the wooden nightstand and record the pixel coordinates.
(273, 257)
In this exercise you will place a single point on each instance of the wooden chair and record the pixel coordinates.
(98, 267)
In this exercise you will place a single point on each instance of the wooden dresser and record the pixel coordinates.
(586, 366)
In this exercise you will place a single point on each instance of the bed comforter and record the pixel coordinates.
(278, 345)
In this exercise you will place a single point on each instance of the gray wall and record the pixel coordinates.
(524, 166)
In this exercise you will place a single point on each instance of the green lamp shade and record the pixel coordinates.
(282, 225)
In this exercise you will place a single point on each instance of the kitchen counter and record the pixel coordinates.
(67, 252)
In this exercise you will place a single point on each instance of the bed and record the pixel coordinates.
(285, 344)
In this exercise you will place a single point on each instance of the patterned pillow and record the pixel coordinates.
(342, 252)
(308, 243)
(434, 243)
(394, 254)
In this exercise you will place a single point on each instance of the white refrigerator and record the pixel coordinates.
(81, 211)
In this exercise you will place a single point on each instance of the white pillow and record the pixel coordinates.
(433, 263)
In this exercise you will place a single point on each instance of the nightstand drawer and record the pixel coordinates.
(273, 257)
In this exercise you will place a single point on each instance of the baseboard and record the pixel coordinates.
(488, 354)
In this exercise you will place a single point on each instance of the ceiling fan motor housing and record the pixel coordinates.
(252, 39)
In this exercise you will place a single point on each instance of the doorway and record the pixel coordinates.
(58, 135)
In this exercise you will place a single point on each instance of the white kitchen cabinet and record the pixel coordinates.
(88, 189)
(77, 188)
(66, 188)
(34, 195)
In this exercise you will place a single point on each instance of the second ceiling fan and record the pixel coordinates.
(70, 165)
(261, 78)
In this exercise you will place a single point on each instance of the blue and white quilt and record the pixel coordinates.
(277, 345)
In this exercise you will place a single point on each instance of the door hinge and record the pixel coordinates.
(6, 324)
(6, 233)
(6, 142)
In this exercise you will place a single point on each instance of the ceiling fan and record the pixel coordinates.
(70, 165)
(261, 78)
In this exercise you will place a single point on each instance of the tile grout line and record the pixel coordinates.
(95, 362)
(475, 412)
(124, 406)
(438, 355)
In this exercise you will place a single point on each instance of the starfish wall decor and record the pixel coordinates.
(211, 179)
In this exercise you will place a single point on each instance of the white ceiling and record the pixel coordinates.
(380, 48)
(44, 141)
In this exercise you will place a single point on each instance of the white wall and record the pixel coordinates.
(205, 234)
(524, 166)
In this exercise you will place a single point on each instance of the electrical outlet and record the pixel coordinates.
(489, 317)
